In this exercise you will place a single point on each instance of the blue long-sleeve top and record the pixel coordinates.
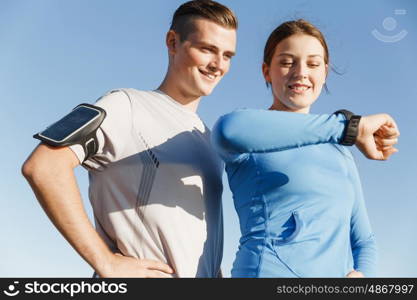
(297, 193)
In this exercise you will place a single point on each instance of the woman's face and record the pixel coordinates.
(297, 73)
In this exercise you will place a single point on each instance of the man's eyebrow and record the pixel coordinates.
(231, 53)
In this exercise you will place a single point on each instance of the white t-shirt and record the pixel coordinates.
(156, 183)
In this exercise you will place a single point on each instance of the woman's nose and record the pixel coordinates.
(300, 71)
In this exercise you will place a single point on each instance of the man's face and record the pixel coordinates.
(203, 58)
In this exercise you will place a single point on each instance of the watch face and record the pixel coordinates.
(70, 124)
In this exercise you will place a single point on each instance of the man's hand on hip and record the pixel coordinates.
(123, 266)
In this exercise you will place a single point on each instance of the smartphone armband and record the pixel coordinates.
(78, 127)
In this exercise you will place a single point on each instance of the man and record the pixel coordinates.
(155, 183)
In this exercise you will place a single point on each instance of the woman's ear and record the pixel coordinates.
(265, 72)
(327, 72)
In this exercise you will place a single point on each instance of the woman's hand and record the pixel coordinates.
(386, 137)
(355, 274)
(377, 136)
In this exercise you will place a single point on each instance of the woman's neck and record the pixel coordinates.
(277, 105)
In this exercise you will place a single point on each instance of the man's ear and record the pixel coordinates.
(265, 71)
(171, 42)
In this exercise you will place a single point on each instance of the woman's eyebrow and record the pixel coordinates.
(314, 55)
(286, 54)
(292, 55)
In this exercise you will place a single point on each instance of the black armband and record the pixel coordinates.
(78, 127)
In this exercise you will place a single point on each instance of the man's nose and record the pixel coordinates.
(217, 63)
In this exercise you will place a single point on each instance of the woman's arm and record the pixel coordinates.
(361, 237)
(259, 131)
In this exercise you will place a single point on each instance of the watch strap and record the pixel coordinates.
(351, 129)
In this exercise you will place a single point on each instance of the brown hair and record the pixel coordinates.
(182, 21)
(288, 29)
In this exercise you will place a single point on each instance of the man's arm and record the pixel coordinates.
(50, 173)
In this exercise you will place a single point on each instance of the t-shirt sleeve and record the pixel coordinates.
(260, 131)
(113, 133)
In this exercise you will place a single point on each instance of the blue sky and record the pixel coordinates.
(55, 54)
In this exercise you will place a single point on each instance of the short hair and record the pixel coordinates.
(184, 16)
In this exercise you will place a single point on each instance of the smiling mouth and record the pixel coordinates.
(208, 75)
(299, 88)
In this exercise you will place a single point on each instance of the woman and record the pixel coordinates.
(296, 190)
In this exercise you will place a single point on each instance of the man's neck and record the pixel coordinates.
(188, 101)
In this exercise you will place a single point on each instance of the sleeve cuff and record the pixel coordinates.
(79, 152)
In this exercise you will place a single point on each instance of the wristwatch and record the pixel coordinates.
(351, 130)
